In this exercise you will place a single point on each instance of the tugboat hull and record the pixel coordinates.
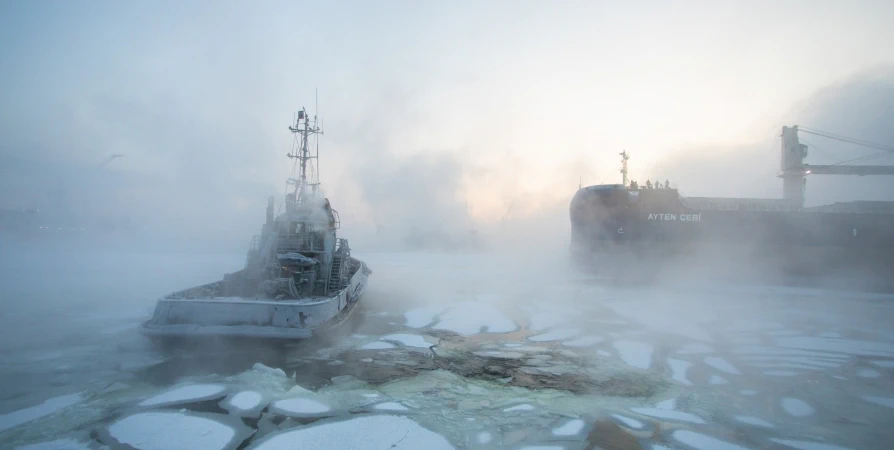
(241, 317)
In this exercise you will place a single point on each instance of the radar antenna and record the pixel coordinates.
(624, 158)
(303, 128)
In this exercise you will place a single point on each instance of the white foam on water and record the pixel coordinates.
(185, 394)
(409, 340)
(390, 406)
(717, 381)
(796, 408)
(884, 401)
(886, 364)
(163, 430)
(751, 420)
(703, 442)
(302, 406)
(721, 365)
(468, 318)
(636, 354)
(48, 407)
(668, 414)
(524, 407)
(583, 341)
(555, 335)
(246, 400)
(678, 370)
(807, 445)
(378, 345)
(695, 347)
(570, 428)
(376, 431)
(420, 317)
(631, 423)
(58, 444)
(868, 373)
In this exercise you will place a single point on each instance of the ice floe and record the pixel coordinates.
(868, 373)
(555, 335)
(716, 380)
(884, 401)
(629, 422)
(301, 407)
(409, 340)
(751, 420)
(636, 354)
(48, 407)
(807, 445)
(421, 317)
(173, 430)
(796, 407)
(499, 354)
(572, 427)
(58, 444)
(390, 406)
(721, 365)
(186, 394)
(583, 341)
(703, 442)
(369, 431)
(377, 346)
(523, 407)
(468, 318)
(678, 370)
(245, 403)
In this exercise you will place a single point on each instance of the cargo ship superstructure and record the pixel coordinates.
(627, 227)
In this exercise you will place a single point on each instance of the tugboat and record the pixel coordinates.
(299, 277)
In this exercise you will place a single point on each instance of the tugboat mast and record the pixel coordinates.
(304, 127)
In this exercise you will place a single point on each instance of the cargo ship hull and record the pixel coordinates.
(658, 233)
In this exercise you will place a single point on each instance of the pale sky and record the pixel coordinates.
(527, 97)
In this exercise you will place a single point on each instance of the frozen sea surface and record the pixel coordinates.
(507, 358)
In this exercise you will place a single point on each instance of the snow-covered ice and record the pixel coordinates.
(629, 422)
(572, 427)
(678, 370)
(409, 340)
(186, 394)
(300, 407)
(245, 403)
(371, 431)
(172, 430)
(246, 399)
(377, 345)
(703, 442)
(468, 318)
(796, 407)
(48, 407)
(420, 317)
(807, 445)
(668, 414)
(636, 354)
(390, 406)
(751, 420)
(523, 407)
(555, 335)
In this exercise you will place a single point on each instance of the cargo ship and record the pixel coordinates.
(651, 232)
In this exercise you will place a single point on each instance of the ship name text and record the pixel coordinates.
(697, 217)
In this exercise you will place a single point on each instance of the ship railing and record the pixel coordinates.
(298, 243)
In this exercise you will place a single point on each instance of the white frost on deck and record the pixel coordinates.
(246, 400)
(469, 318)
(797, 408)
(390, 406)
(678, 370)
(884, 401)
(631, 423)
(524, 407)
(378, 431)
(807, 445)
(58, 444)
(583, 341)
(185, 394)
(48, 407)
(751, 420)
(409, 340)
(570, 428)
(703, 442)
(721, 365)
(301, 406)
(636, 354)
(377, 346)
(555, 335)
(668, 414)
(164, 430)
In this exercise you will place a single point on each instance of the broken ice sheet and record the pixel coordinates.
(58, 444)
(301, 407)
(245, 403)
(390, 406)
(359, 431)
(636, 354)
(796, 407)
(468, 318)
(174, 430)
(583, 341)
(377, 346)
(48, 407)
(703, 442)
(186, 394)
(555, 335)
(571, 427)
(669, 414)
(409, 340)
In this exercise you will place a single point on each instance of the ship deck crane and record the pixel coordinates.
(794, 170)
